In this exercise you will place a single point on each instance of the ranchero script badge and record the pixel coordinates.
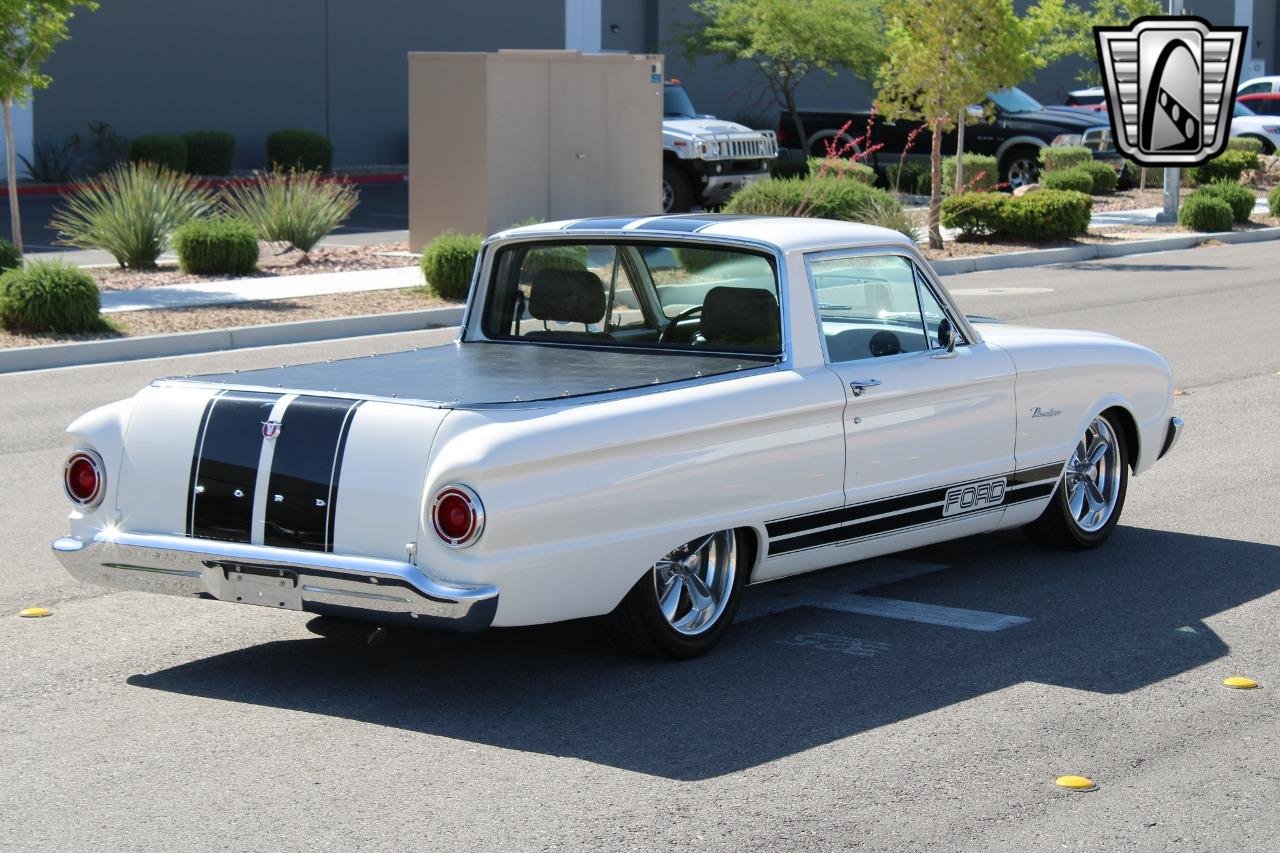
(271, 429)
(1038, 412)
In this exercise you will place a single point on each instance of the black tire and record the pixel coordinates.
(677, 192)
(1024, 157)
(638, 626)
(1056, 527)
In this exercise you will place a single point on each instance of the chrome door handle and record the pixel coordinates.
(857, 386)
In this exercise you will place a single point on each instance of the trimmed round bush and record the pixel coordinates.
(908, 177)
(1227, 166)
(1273, 202)
(9, 257)
(974, 165)
(1239, 198)
(210, 152)
(1204, 213)
(1040, 215)
(1244, 143)
(841, 167)
(975, 214)
(1059, 158)
(159, 148)
(302, 150)
(697, 260)
(448, 262)
(49, 296)
(1104, 177)
(217, 246)
(1075, 179)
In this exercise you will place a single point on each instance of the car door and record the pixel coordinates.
(929, 432)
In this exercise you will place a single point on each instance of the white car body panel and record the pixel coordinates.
(582, 495)
(1265, 126)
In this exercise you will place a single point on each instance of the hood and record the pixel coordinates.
(704, 126)
(1066, 118)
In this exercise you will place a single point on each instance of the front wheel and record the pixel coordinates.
(1086, 506)
(683, 605)
(1021, 166)
(677, 193)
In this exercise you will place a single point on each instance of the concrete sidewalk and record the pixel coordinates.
(257, 289)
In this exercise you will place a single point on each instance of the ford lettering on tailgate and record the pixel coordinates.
(973, 496)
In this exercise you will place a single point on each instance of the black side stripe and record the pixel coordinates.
(225, 470)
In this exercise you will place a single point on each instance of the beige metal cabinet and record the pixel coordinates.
(497, 138)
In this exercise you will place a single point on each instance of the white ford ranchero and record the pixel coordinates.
(639, 417)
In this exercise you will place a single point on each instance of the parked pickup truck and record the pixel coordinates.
(705, 159)
(1018, 127)
(639, 417)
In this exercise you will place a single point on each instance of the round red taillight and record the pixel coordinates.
(457, 516)
(82, 478)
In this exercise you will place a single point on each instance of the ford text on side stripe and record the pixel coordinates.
(640, 416)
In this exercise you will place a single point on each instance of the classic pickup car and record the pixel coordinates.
(639, 416)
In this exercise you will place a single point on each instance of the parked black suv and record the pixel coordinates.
(1018, 125)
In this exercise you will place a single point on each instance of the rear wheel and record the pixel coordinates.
(683, 605)
(1086, 506)
(1020, 167)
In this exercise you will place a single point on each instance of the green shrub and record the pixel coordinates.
(1074, 179)
(9, 257)
(1273, 202)
(554, 258)
(1227, 166)
(1204, 213)
(821, 198)
(1039, 215)
(1104, 177)
(130, 211)
(168, 151)
(1240, 199)
(54, 160)
(974, 164)
(210, 152)
(448, 262)
(49, 296)
(909, 177)
(841, 167)
(1244, 143)
(1059, 158)
(975, 214)
(299, 208)
(886, 212)
(301, 150)
(217, 246)
(697, 260)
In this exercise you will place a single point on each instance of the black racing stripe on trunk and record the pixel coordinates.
(227, 469)
(337, 474)
(1032, 475)
(300, 492)
(195, 462)
(602, 222)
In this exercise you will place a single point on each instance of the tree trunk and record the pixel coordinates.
(960, 152)
(935, 190)
(11, 168)
(795, 119)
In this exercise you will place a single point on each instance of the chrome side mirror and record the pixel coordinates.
(947, 336)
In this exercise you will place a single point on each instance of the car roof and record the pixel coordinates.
(1273, 78)
(786, 233)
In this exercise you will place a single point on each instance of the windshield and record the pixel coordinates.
(1241, 110)
(675, 101)
(636, 294)
(1015, 101)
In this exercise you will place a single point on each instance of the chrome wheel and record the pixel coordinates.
(1023, 171)
(1093, 476)
(693, 583)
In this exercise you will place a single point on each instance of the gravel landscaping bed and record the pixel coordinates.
(138, 323)
(273, 259)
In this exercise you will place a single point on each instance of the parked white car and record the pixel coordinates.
(1259, 86)
(1264, 128)
(638, 418)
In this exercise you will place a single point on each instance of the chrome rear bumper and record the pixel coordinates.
(1171, 437)
(359, 587)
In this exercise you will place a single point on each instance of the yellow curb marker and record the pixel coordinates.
(1081, 784)
(34, 613)
(1239, 682)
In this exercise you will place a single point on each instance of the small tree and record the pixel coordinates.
(786, 40)
(942, 56)
(1058, 29)
(29, 31)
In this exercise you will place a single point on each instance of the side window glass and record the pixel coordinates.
(868, 306)
(933, 311)
(1255, 89)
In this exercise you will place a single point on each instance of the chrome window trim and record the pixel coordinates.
(472, 328)
(918, 265)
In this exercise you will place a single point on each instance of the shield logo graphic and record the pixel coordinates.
(1171, 85)
(270, 429)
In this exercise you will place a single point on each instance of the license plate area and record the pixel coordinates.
(261, 585)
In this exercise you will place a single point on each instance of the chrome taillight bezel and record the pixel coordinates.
(474, 507)
(100, 475)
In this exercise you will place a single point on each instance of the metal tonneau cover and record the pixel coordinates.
(483, 373)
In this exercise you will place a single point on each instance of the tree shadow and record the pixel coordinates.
(1111, 621)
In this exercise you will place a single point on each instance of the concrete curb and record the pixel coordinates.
(1090, 252)
(215, 340)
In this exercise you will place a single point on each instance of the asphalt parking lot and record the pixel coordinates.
(925, 701)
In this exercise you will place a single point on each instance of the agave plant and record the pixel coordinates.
(131, 211)
(296, 207)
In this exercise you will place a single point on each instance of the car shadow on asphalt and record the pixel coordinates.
(1110, 621)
